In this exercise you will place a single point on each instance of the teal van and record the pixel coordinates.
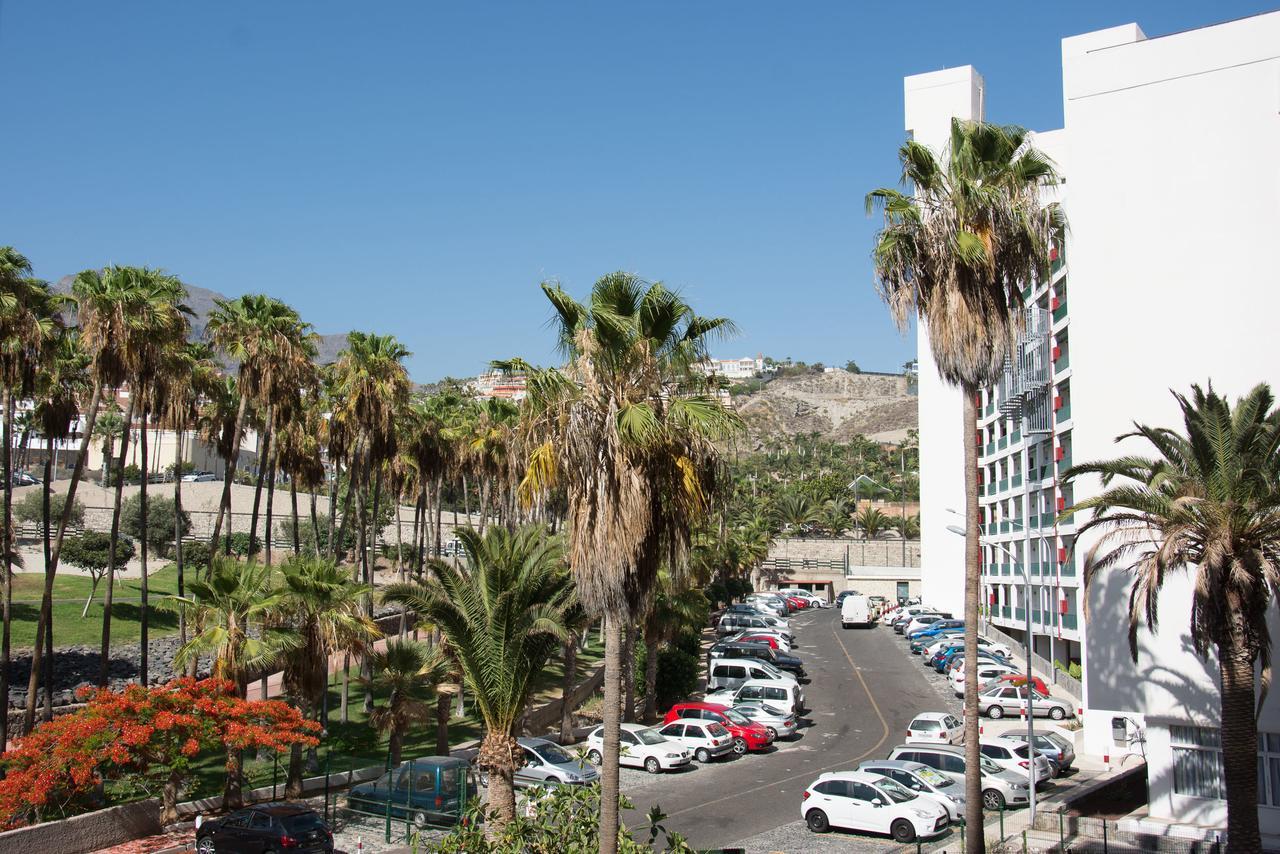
(432, 790)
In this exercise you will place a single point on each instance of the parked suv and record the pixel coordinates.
(785, 695)
(747, 734)
(776, 657)
(1000, 788)
(732, 623)
(732, 672)
(706, 739)
(430, 790)
(266, 827)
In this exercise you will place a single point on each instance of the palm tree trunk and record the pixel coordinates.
(612, 725)
(368, 555)
(443, 705)
(271, 494)
(395, 744)
(44, 629)
(77, 472)
(484, 503)
(315, 521)
(8, 567)
(177, 535)
(404, 609)
(974, 842)
(439, 517)
(1239, 739)
(142, 514)
(264, 460)
(344, 710)
(466, 499)
(333, 507)
(293, 504)
(566, 689)
(105, 662)
(224, 506)
(497, 752)
(629, 675)
(651, 679)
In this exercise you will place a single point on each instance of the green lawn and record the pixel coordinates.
(69, 594)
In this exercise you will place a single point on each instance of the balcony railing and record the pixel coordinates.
(1061, 311)
(1069, 622)
(1062, 362)
(1004, 484)
(1016, 480)
(1019, 613)
(1064, 414)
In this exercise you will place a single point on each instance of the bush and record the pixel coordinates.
(195, 556)
(241, 545)
(160, 519)
(31, 509)
(90, 551)
(1072, 669)
(677, 676)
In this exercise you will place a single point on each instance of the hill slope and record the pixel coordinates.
(837, 405)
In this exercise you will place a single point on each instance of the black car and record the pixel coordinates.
(266, 829)
(748, 649)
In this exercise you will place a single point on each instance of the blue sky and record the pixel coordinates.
(417, 168)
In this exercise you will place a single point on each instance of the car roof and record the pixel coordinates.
(535, 742)
(936, 748)
(853, 776)
(766, 683)
(899, 764)
(932, 716)
(698, 704)
(441, 761)
(282, 808)
(635, 727)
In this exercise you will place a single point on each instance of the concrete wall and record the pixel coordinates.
(88, 832)
(858, 552)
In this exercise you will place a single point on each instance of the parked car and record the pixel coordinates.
(843, 595)
(1000, 788)
(856, 611)
(988, 672)
(731, 623)
(745, 608)
(1019, 677)
(936, 728)
(1000, 700)
(919, 777)
(856, 800)
(935, 628)
(546, 762)
(21, 478)
(1014, 755)
(924, 640)
(641, 747)
(747, 734)
(432, 790)
(769, 639)
(771, 602)
(1054, 747)
(785, 695)
(777, 722)
(266, 827)
(729, 673)
(812, 600)
(755, 649)
(798, 603)
(706, 739)
(199, 477)
(921, 622)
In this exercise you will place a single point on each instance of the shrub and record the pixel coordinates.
(90, 551)
(31, 509)
(241, 545)
(195, 556)
(677, 676)
(1072, 669)
(160, 519)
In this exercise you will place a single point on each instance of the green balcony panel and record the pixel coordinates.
(1060, 312)
(1069, 622)
(1019, 613)
(1003, 443)
(1016, 480)
(1064, 414)
(1062, 362)
(1004, 484)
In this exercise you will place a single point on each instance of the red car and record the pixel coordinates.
(771, 641)
(1021, 679)
(747, 734)
(797, 603)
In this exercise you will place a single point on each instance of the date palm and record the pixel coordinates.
(836, 516)
(795, 511)
(628, 434)
(873, 523)
(957, 253)
(503, 615)
(409, 673)
(1206, 504)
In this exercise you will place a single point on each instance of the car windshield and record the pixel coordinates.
(554, 753)
(900, 794)
(649, 736)
(1057, 740)
(933, 778)
(717, 730)
(736, 717)
(301, 823)
(1021, 751)
(989, 767)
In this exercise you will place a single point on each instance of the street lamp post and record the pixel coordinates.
(1031, 744)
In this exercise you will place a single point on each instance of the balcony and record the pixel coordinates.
(1069, 622)
(1006, 569)
(1016, 436)
(1004, 612)
(1003, 443)
(1005, 527)
(1060, 313)
(1062, 362)
(1064, 413)
(1004, 484)
(1019, 613)
(990, 449)
(992, 528)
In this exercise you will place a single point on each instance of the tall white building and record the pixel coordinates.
(1171, 154)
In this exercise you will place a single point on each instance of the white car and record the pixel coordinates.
(814, 600)
(780, 724)
(936, 728)
(1012, 754)
(987, 672)
(199, 477)
(641, 747)
(1000, 788)
(856, 800)
(706, 739)
(783, 695)
(773, 604)
(921, 621)
(729, 673)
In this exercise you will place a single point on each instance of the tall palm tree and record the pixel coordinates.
(268, 339)
(1207, 503)
(795, 511)
(873, 523)
(503, 616)
(322, 605)
(409, 673)
(233, 608)
(837, 516)
(672, 609)
(29, 320)
(957, 253)
(622, 429)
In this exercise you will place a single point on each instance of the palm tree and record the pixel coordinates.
(503, 616)
(873, 523)
(232, 608)
(624, 430)
(672, 609)
(1208, 504)
(957, 253)
(795, 511)
(837, 516)
(269, 340)
(321, 605)
(408, 672)
(62, 383)
(28, 321)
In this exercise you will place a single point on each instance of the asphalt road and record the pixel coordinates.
(862, 694)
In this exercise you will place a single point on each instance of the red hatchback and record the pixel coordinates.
(765, 639)
(747, 734)
(797, 603)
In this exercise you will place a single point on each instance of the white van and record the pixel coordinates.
(855, 611)
(732, 672)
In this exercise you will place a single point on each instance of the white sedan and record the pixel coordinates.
(856, 800)
(640, 747)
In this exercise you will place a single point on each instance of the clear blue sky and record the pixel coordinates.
(417, 168)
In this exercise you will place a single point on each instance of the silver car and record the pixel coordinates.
(1000, 788)
(780, 724)
(546, 762)
(919, 777)
(1000, 700)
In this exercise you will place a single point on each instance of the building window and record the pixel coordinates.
(1197, 762)
(1269, 769)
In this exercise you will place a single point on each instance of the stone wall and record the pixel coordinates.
(89, 832)
(858, 552)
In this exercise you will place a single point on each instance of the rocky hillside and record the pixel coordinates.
(837, 405)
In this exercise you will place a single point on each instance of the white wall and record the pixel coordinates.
(931, 100)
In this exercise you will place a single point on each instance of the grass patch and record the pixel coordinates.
(69, 594)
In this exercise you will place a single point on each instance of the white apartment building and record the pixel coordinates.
(734, 369)
(1169, 149)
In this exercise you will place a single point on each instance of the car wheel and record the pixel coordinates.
(902, 830)
(817, 821)
(1057, 713)
(995, 712)
(740, 746)
(419, 819)
(702, 755)
(594, 757)
(205, 845)
(651, 765)
(773, 733)
(993, 800)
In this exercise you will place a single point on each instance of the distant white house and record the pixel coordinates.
(734, 369)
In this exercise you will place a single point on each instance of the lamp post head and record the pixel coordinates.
(956, 529)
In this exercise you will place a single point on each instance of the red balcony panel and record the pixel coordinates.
(1057, 402)
(1062, 504)
(1058, 453)
(1062, 554)
(1057, 353)
(1053, 304)
(1053, 253)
